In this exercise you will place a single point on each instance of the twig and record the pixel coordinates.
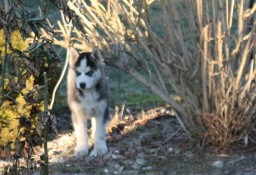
(171, 136)
(3, 73)
(237, 160)
(204, 38)
(46, 127)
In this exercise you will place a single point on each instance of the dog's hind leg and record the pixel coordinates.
(99, 135)
(80, 129)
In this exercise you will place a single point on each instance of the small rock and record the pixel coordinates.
(106, 170)
(121, 168)
(189, 155)
(218, 164)
(140, 161)
(170, 149)
(117, 166)
(116, 172)
(117, 152)
(113, 156)
(147, 168)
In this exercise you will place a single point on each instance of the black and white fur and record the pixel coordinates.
(88, 99)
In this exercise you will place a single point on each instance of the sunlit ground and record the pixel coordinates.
(122, 125)
(149, 142)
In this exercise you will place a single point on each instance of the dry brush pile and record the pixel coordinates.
(203, 51)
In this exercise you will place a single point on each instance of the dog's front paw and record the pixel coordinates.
(81, 151)
(99, 149)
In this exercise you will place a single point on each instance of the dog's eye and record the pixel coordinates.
(78, 73)
(89, 73)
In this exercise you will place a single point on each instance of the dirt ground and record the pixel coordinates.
(151, 142)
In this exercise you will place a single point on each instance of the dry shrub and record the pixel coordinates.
(228, 70)
(201, 50)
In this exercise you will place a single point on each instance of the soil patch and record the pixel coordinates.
(150, 142)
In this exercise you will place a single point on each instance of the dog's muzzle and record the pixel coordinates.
(82, 85)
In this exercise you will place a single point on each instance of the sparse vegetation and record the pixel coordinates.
(202, 51)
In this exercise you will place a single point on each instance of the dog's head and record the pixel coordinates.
(87, 68)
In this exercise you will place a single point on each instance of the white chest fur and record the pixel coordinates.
(89, 105)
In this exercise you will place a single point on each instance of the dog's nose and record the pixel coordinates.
(82, 85)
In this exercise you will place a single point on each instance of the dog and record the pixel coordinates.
(87, 91)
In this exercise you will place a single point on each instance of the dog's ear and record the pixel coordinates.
(97, 55)
(73, 56)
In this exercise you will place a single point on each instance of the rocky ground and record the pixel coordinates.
(150, 142)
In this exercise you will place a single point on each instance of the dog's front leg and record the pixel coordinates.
(80, 129)
(99, 135)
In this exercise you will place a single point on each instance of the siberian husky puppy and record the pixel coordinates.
(88, 100)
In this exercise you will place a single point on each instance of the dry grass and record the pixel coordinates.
(228, 71)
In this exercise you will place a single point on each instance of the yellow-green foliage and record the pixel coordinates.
(10, 111)
(17, 41)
